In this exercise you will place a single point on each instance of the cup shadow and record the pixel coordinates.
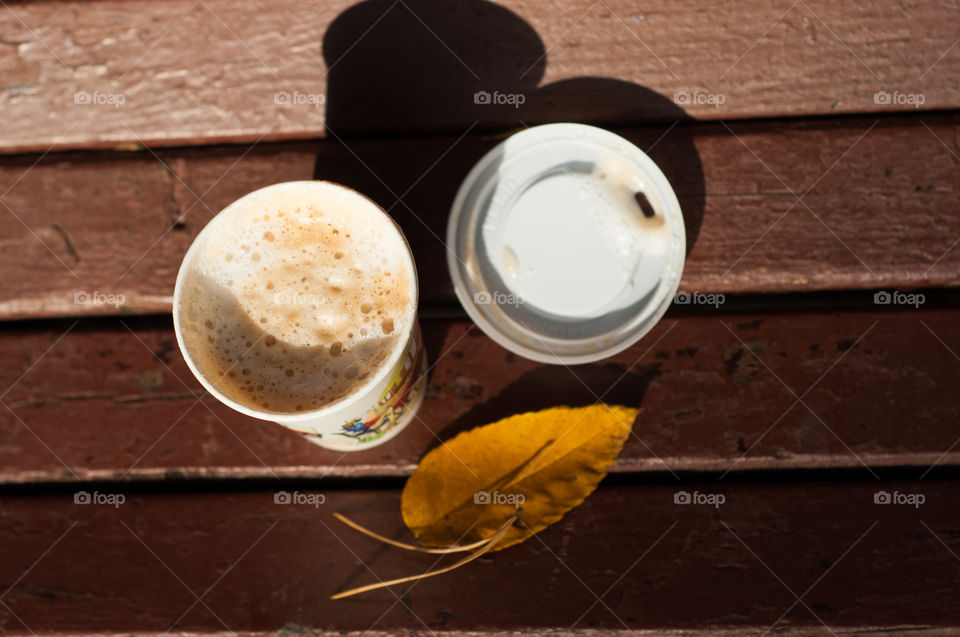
(428, 67)
(420, 69)
(553, 385)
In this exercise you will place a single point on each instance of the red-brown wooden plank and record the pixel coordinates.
(880, 210)
(209, 72)
(76, 226)
(656, 565)
(719, 392)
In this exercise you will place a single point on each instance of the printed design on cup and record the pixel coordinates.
(406, 384)
(404, 388)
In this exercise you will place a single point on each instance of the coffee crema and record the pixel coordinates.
(295, 296)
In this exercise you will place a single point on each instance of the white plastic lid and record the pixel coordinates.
(566, 243)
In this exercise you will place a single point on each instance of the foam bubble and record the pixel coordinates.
(276, 325)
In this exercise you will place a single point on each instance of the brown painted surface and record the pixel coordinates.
(83, 231)
(718, 390)
(791, 631)
(879, 212)
(387, 92)
(257, 565)
(110, 74)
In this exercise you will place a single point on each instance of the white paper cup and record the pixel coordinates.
(552, 253)
(373, 412)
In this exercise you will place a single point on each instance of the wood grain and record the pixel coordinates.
(105, 400)
(261, 566)
(790, 631)
(105, 233)
(104, 73)
(769, 207)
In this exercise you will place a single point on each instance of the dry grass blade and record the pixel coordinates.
(489, 544)
(410, 547)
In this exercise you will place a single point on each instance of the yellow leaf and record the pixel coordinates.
(545, 462)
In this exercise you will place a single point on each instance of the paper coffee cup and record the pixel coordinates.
(566, 243)
(297, 304)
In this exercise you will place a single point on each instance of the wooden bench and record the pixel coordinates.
(815, 149)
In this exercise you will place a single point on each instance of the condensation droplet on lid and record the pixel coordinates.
(510, 261)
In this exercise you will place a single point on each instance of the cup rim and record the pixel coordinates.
(339, 405)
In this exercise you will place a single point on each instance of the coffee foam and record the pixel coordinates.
(296, 295)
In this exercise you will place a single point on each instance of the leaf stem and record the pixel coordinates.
(403, 545)
(487, 546)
